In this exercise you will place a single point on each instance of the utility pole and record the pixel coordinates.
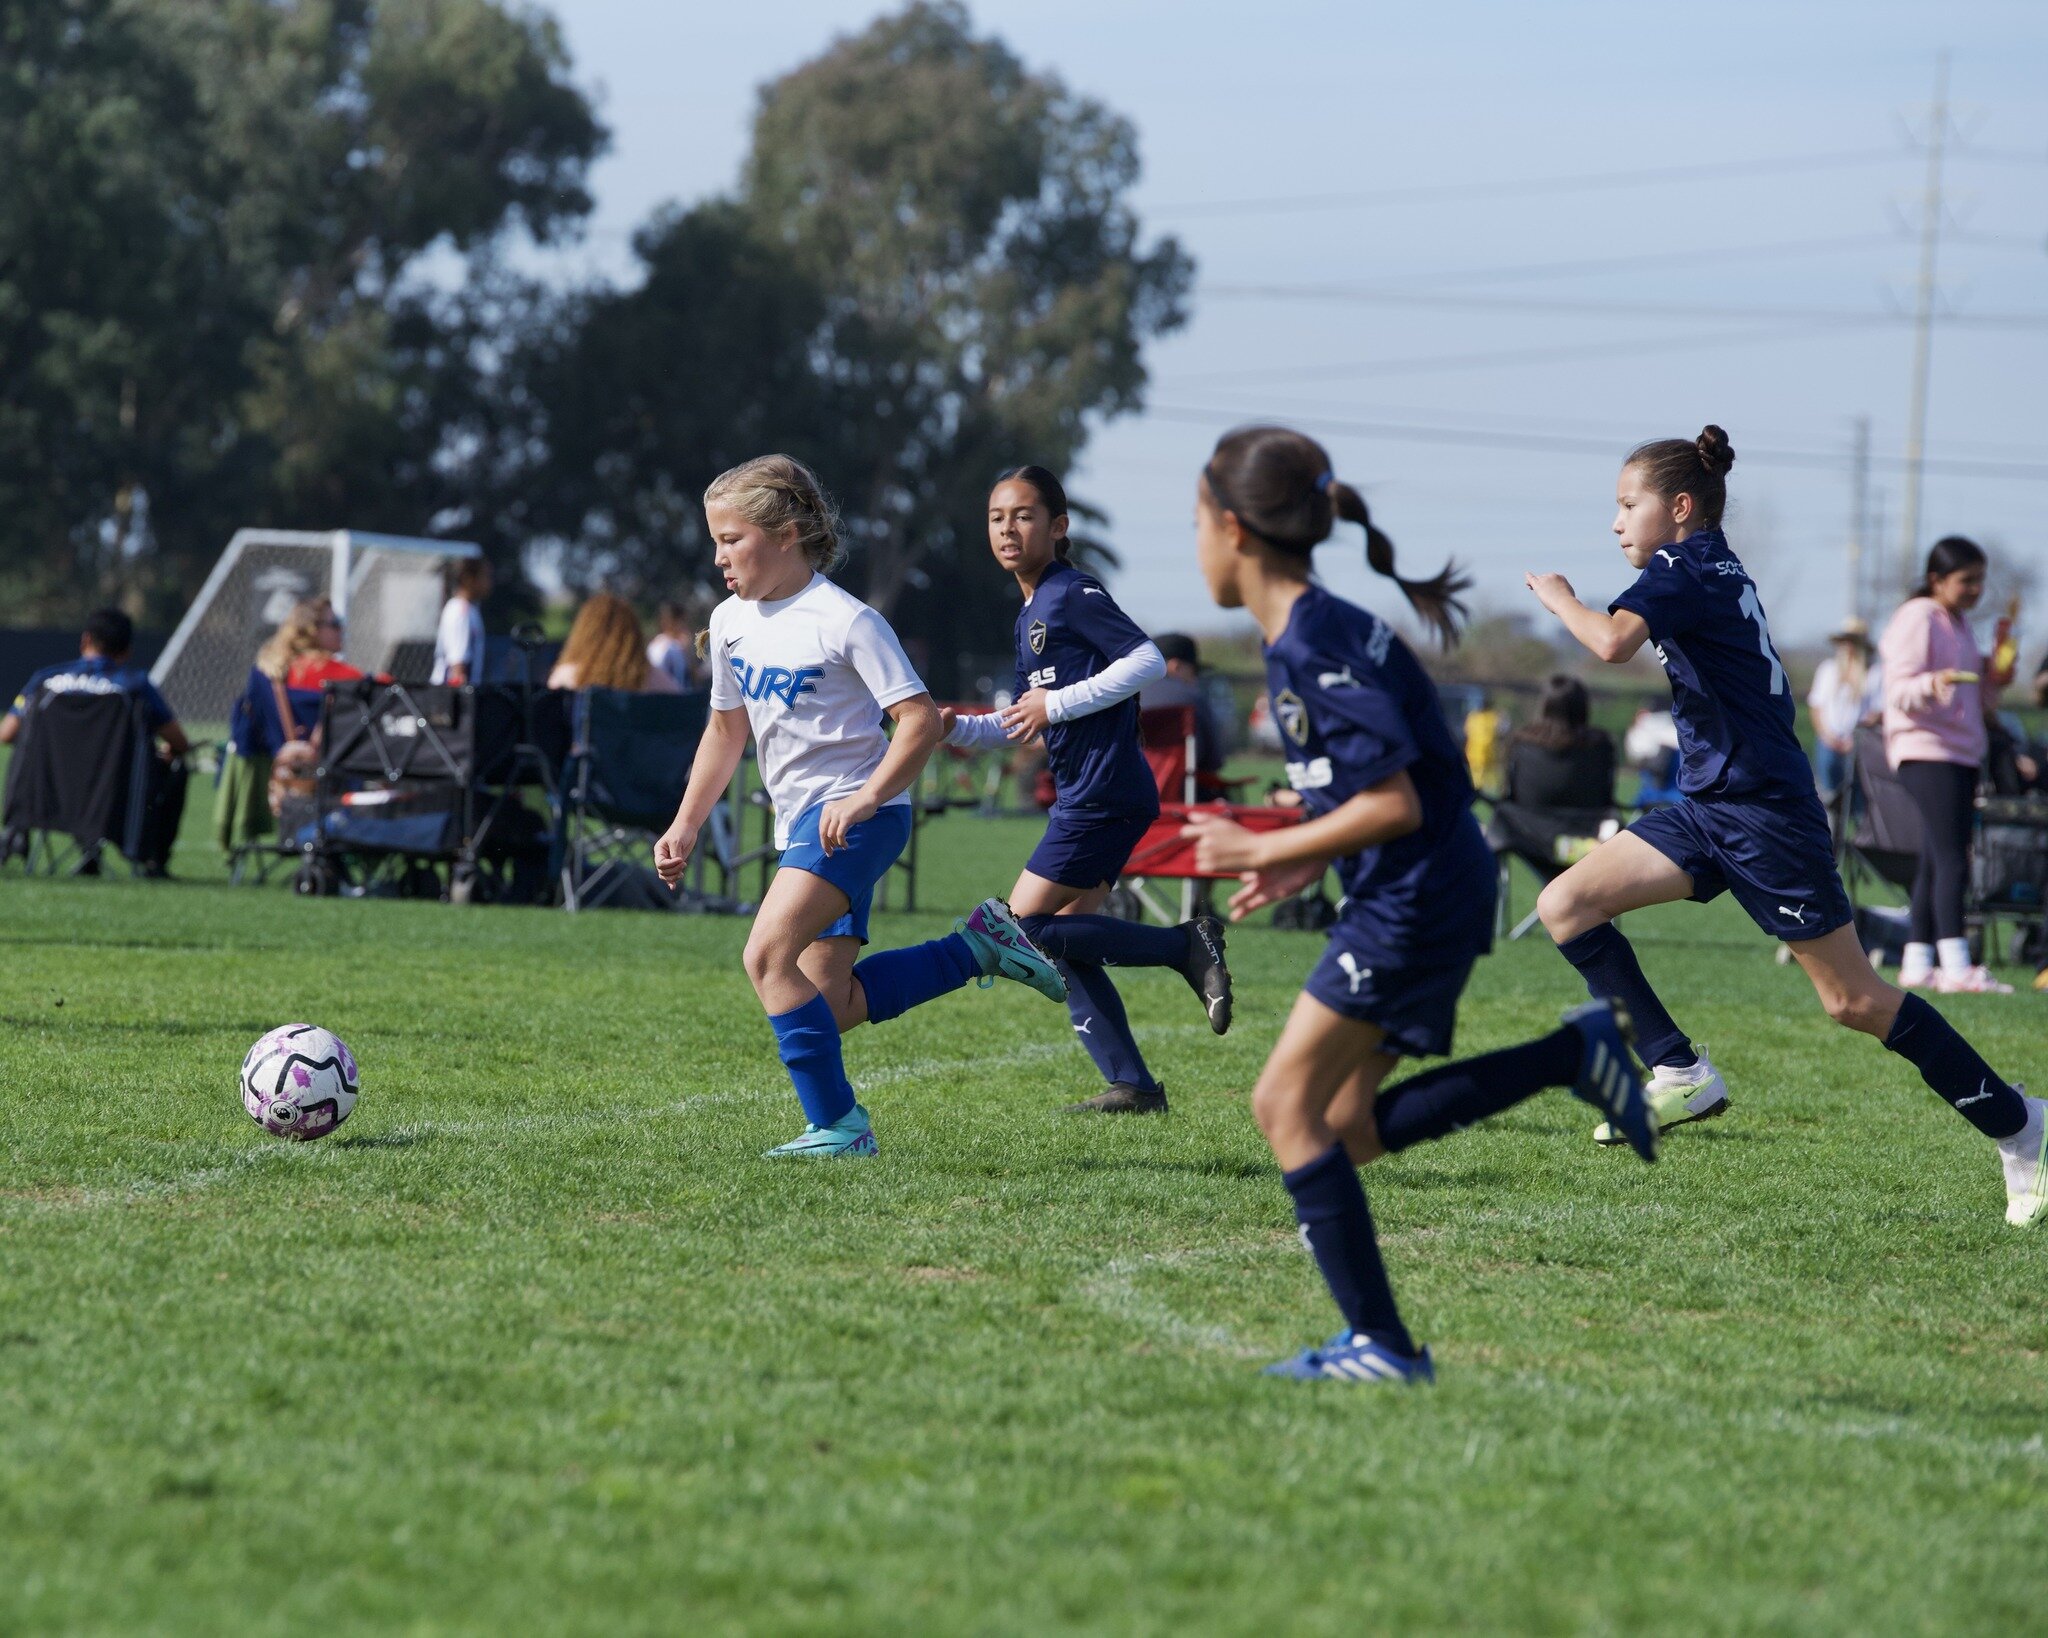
(1923, 322)
(1859, 511)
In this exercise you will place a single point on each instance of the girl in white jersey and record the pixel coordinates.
(811, 671)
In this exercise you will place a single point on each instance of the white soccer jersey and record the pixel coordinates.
(814, 672)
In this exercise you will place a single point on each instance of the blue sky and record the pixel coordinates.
(1421, 336)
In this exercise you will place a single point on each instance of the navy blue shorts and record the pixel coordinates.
(1086, 849)
(1775, 856)
(1416, 1005)
(871, 848)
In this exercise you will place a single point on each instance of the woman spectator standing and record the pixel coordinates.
(1845, 694)
(607, 649)
(1936, 697)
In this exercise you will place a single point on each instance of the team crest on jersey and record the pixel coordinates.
(1035, 636)
(1292, 715)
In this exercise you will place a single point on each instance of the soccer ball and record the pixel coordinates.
(299, 1082)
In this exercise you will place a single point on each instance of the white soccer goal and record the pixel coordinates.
(389, 588)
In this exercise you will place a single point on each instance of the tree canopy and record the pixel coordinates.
(215, 306)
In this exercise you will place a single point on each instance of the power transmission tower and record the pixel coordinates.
(1923, 321)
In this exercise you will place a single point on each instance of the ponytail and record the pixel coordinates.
(1280, 487)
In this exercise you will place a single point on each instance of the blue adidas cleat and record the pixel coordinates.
(1005, 950)
(1349, 1357)
(848, 1136)
(1608, 1077)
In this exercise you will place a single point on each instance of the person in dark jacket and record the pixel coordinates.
(1558, 760)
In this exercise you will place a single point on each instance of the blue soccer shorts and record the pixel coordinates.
(1415, 1003)
(871, 848)
(1776, 856)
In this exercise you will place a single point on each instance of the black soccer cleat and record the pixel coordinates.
(1122, 1098)
(1205, 972)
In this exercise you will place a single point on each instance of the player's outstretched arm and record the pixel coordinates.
(1610, 637)
(918, 732)
(1276, 864)
(718, 754)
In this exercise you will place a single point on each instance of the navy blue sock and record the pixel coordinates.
(807, 1039)
(1441, 1101)
(1330, 1206)
(1950, 1065)
(1607, 962)
(1107, 941)
(897, 980)
(1098, 1014)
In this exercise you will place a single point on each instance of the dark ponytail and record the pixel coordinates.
(1051, 492)
(1279, 484)
(1949, 554)
(1697, 467)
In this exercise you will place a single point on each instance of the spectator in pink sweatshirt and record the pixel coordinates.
(1936, 697)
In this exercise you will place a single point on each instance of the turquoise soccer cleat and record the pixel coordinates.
(1005, 950)
(848, 1136)
(1348, 1357)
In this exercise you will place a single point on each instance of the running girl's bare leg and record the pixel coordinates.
(795, 910)
(828, 963)
(1623, 873)
(1319, 1055)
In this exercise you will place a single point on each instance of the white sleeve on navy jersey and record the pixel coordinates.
(1117, 681)
(873, 651)
(978, 731)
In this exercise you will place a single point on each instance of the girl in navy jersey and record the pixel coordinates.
(1391, 806)
(1080, 664)
(1750, 823)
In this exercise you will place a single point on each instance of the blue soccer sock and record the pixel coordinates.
(1607, 962)
(1098, 1014)
(807, 1039)
(897, 980)
(1950, 1065)
(1107, 941)
(1441, 1101)
(1330, 1206)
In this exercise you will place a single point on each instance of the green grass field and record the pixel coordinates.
(539, 1345)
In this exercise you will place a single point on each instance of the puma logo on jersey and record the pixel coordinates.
(1668, 557)
(1337, 679)
(1357, 974)
(775, 682)
(1093, 591)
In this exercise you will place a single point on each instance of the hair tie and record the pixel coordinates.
(1323, 483)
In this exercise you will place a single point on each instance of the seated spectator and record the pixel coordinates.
(305, 651)
(102, 668)
(607, 649)
(1182, 685)
(674, 645)
(1558, 761)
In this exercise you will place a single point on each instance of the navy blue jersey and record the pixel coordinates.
(1354, 708)
(1069, 630)
(1729, 693)
(95, 674)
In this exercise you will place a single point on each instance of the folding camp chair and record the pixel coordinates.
(1549, 841)
(85, 774)
(628, 765)
(1161, 855)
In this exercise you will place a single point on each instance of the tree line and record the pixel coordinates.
(258, 267)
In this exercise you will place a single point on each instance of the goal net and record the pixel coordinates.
(389, 589)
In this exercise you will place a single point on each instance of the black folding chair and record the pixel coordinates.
(628, 764)
(85, 775)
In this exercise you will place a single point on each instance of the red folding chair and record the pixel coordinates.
(1161, 855)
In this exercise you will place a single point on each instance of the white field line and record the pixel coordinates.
(1113, 1290)
(572, 1120)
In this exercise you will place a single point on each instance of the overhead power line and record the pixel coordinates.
(1568, 443)
(1531, 187)
(1598, 307)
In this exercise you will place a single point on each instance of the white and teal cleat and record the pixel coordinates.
(1005, 950)
(848, 1136)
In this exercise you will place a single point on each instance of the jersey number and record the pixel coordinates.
(1755, 610)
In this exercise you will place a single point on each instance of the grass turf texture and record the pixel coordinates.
(539, 1345)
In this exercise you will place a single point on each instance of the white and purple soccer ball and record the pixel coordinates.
(299, 1082)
